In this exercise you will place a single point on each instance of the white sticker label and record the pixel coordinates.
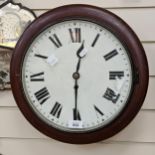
(76, 124)
(52, 60)
(83, 52)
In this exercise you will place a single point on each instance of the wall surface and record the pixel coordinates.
(18, 137)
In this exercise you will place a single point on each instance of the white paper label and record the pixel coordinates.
(76, 124)
(52, 60)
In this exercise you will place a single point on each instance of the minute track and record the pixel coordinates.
(79, 70)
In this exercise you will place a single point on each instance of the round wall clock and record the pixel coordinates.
(79, 74)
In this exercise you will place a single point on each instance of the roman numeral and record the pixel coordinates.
(55, 40)
(95, 40)
(110, 55)
(40, 56)
(76, 115)
(114, 74)
(75, 35)
(42, 95)
(98, 110)
(56, 111)
(111, 95)
(37, 77)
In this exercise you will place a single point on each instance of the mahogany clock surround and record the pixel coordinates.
(129, 40)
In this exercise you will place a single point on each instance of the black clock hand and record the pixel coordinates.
(79, 56)
(79, 50)
(76, 76)
(78, 66)
(76, 113)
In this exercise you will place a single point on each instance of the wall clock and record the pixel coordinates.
(79, 74)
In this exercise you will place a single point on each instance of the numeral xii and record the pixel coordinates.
(75, 35)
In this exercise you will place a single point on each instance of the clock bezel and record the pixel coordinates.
(122, 31)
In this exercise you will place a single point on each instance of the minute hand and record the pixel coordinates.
(76, 76)
(80, 50)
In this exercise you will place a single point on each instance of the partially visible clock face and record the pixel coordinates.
(77, 76)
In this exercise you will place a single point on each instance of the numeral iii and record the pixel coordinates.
(117, 74)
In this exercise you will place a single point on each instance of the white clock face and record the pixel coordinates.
(77, 76)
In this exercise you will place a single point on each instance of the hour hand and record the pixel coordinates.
(81, 51)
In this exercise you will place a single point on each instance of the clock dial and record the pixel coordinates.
(74, 81)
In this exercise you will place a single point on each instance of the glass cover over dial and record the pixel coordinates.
(77, 76)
